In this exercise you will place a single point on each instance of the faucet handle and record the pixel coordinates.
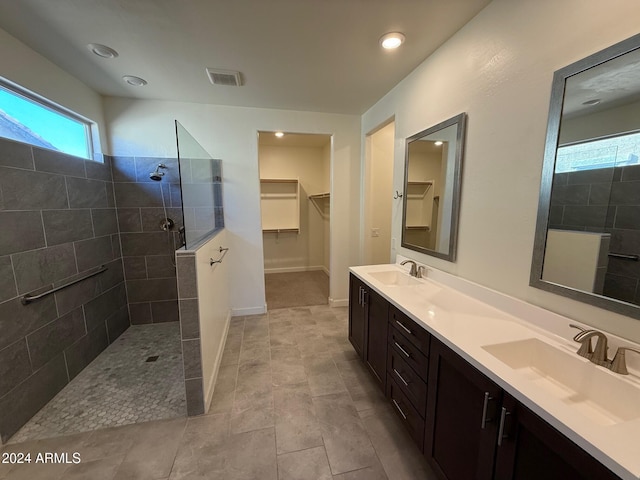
(422, 272)
(585, 349)
(619, 362)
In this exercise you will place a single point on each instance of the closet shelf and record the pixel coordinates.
(418, 227)
(280, 205)
(278, 180)
(280, 230)
(319, 196)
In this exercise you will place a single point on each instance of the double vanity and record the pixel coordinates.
(485, 387)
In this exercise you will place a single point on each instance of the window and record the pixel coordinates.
(28, 118)
(602, 153)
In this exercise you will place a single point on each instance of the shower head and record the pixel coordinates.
(157, 175)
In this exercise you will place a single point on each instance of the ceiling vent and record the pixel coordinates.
(229, 78)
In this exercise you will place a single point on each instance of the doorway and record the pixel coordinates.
(378, 195)
(295, 207)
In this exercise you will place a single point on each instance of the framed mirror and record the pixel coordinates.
(587, 241)
(431, 200)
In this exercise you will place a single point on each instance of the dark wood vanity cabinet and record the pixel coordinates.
(531, 449)
(358, 292)
(407, 370)
(453, 411)
(375, 353)
(462, 423)
(368, 320)
(477, 431)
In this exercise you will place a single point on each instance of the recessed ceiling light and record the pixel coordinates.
(279, 134)
(391, 40)
(135, 81)
(102, 50)
(438, 143)
(590, 103)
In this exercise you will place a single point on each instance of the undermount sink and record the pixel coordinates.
(395, 277)
(596, 393)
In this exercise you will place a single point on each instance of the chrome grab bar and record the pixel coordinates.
(223, 251)
(624, 256)
(27, 299)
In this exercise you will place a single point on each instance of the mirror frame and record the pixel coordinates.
(461, 122)
(546, 182)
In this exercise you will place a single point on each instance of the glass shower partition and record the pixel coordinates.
(201, 187)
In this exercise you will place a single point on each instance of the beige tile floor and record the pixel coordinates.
(292, 401)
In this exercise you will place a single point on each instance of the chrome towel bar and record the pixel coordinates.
(223, 251)
(27, 299)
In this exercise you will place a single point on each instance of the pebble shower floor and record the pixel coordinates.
(119, 387)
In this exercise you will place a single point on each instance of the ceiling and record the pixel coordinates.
(613, 83)
(310, 55)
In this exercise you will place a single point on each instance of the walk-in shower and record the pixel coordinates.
(106, 349)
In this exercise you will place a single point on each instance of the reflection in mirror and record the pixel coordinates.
(432, 189)
(587, 243)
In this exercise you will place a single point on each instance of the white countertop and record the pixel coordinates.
(466, 324)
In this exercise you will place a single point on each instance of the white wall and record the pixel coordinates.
(304, 250)
(25, 67)
(231, 133)
(213, 307)
(625, 118)
(498, 69)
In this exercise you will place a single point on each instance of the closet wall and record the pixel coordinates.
(307, 249)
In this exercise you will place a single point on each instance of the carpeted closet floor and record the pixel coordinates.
(296, 289)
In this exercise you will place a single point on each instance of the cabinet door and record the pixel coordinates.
(357, 314)
(461, 427)
(532, 449)
(376, 339)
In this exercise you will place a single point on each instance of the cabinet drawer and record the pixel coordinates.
(408, 381)
(408, 352)
(409, 415)
(414, 332)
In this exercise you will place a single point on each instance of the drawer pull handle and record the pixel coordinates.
(399, 409)
(403, 350)
(404, 328)
(485, 406)
(501, 434)
(406, 384)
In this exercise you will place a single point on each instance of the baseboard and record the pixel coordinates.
(296, 269)
(209, 395)
(241, 312)
(326, 270)
(339, 302)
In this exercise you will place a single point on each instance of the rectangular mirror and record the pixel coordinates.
(431, 199)
(587, 243)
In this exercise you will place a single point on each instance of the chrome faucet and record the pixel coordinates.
(599, 354)
(414, 269)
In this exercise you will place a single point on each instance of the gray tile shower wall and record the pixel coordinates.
(190, 333)
(59, 221)
(147, 250)
(604, 200)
